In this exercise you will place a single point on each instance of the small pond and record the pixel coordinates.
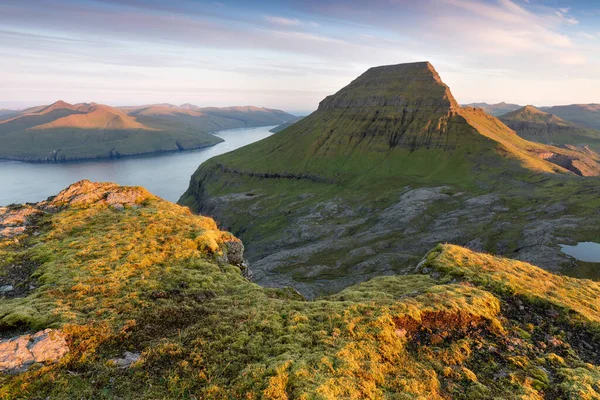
(583, 251)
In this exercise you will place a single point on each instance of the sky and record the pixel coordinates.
(290, 54)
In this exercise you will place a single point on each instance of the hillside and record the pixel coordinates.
(587, 115)
(395, 166)
(285, 125)
(144, 300)
(495, 109)
(65, 132)
(208, 119)
(533, 124)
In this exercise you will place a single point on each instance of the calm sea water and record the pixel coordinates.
(165, 175)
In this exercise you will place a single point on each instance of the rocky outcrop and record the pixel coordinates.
(85, 193)
(19, 353)
(15, 220)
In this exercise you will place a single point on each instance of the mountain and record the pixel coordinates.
(533, 124)
(208, 119)
(587, 115)
(385, 169)
(495, 109)
(66, 132)
(111, 292)
(6, 114)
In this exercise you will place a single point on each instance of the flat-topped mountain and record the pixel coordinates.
(394, 165)
(539, 126)
(111, 292)
(495, 109)
(66, 132)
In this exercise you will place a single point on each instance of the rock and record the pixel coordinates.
(85, 193)
(401, 332)
(48, 345)
(127, 360)
(6, 288)
(19, 353)
(234, 253)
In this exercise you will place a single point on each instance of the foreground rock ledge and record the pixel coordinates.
(19, 353)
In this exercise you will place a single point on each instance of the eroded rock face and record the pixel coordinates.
(19, 353)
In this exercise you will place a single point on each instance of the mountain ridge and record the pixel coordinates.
(534, 124)
(62, 132)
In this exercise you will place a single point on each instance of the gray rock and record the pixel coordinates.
(6, 289)
(126, 361)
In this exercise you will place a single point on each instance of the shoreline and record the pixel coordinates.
(132, 155)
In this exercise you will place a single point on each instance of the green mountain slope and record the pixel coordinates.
(583, 114)
(285, 125)
(539, 126)
(394, 166)
(65, 132)
(495, 109)
(123, 275)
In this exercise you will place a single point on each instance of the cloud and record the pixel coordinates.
(292, 44)
(283, 21)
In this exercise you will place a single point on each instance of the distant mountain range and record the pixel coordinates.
(495, 109)
(587, 115)
(65, 132)
(539, 126)
(583, 114)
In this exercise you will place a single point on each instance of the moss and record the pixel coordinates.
(139, 280)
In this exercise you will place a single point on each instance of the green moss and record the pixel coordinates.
(149, 279)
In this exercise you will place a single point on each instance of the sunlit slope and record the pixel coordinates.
(118, 270)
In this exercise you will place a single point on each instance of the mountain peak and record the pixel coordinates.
(57, 105)
(402, 85)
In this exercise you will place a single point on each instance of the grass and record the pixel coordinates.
(150, 278)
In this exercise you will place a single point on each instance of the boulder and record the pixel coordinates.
(19, 353)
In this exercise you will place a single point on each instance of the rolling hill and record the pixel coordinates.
(394, 165)
(64, 132)
(533, 124)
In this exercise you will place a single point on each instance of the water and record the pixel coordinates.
(583, 251)
(165, 175)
